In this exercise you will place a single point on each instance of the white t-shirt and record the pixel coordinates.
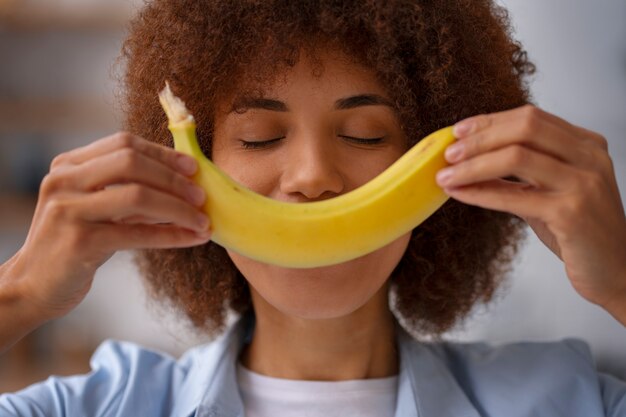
(265, 396)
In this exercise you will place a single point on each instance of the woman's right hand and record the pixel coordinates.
(120, 192)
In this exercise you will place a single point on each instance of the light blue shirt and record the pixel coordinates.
(436, 379)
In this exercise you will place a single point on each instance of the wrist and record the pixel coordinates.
(616, 306)
(18, 317)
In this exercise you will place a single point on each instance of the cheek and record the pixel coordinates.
(251, 171)
(325, 292)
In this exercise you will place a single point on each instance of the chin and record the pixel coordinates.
(325, 292)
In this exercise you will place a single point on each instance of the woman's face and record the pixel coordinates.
(310, 122)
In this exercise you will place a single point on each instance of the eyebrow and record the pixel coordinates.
(243, 104)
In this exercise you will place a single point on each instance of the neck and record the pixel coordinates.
(359, 345)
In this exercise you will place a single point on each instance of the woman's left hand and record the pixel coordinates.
(568, 193)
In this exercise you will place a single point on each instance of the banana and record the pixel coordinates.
(308, 235)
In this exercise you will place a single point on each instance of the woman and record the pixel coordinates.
(303, 101)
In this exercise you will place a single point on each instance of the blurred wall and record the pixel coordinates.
(56, 93)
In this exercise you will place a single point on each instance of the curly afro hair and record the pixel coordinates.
(440, 61)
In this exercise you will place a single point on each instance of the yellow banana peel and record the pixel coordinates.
(307, 235)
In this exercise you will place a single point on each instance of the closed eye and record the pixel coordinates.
(367, 141)
(265, 143)
(258, 144)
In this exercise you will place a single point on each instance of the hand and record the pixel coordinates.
(566, 191)
(120, 192)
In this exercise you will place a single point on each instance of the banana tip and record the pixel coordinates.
(174, 107)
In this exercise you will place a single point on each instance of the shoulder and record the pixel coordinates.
(120, 357)
(571, 355)
(542, 365)
(556, 378)
(125, 378)
(526, 363)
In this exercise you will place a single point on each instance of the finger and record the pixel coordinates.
(140, 219)
(122, 140)
(498, 130)
(597, 138)
(115, 237)
(534, 168)
(532, 111)
(526, 111)
(519, 199)
(117, 203)
(127, 165)
(584, 134)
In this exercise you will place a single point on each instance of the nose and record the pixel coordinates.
(312, 171)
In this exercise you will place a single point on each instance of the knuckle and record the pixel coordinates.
(607, 163)
(598, 156)
(569, 210)
(529, 124)
(123, 139)
(58, 209)
(475, 145)
(575, 207)
(135, 194)
(48, 184)
(564, 213)
(129, 159)
(601, 140)
(161, 151)
(179, 182)
(483, 120)
(531, 111)
(58, 160)
(52, 182)
(518, 155)
(77, 237)
(593, 181)
(170, 157)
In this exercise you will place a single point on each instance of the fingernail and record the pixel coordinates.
(195, 194)
(443, 176)
(462, 128)
(186, 164)
(454, 152)
(202, 221)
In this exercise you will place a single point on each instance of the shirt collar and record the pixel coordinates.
(210, 389)
(426, 387)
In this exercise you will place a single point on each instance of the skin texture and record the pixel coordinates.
(330, 322)
(314, 162)
(120, 192)
(568, 194)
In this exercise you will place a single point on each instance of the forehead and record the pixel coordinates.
(321, 75)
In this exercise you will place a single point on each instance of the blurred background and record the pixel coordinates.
(57, 92)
